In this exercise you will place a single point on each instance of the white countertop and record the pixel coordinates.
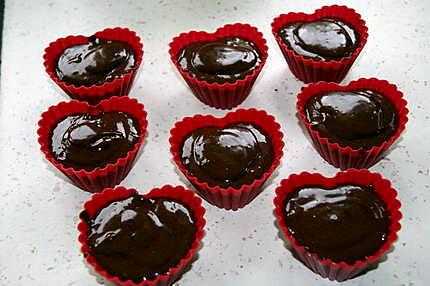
(39, 209)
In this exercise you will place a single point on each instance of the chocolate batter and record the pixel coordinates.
(360, 119)
(95, 62)
(138, 238)
(223, 60)
(228, 157)
(346, 223)
(323, 40)
(84, 141)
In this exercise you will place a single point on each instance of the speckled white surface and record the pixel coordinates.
(39, 209)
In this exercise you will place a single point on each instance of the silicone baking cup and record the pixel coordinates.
(226, 95)
(98, 201)
(325, 267)
(95, 93)
(227, 198)
(347, 157)
(110, 174)
(309, 70)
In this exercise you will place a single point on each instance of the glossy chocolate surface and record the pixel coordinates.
(228, 157)
(138, 238)
(84, 141)
(322, 40)
(346, 223)
(359, 119)
(224, 60)
(95, 62)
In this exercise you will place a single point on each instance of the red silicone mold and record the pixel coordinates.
(95, 93)
(226, 95)
(230, 198)
(347, 157)
(326, 268)
(308, 70)
(99, 178)
(100, 200)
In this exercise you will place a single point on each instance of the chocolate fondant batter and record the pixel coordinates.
(227, 157)
(138, 238)
(322, 40)
(84, 141)
(359, 119)
(223, 60)
(95, 62)
(346, 223)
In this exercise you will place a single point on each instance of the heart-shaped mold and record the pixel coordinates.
(178, 193)
(347, 157)
(93, 94)
(226, 95)
(227, 198)
(112, 173)
(327, 268)
(309, 70)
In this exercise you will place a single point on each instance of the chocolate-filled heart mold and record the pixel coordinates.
(96, 67)
(221, 67)
(94, 146)
(227, 159)
(146, 240)
(321, 46)
(338, 227)
(356, 124)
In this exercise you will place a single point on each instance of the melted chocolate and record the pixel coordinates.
(346, 223)
(322, 40)
(223, 60)
(84, 141)
(360, 119)
(227, 157)
(138, 238)
(95, 62)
